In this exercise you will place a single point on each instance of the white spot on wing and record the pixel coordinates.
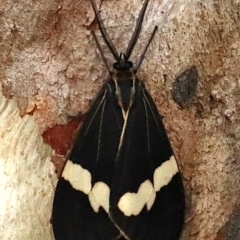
(129, 203)
(99, 196)
(164, 173)
(151, 200)
(133, 203)
(78, 177)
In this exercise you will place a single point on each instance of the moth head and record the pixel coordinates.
(122, 64)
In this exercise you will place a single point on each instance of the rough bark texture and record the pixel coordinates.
(51, 67)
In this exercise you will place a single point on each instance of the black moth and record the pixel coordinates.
(121, 180)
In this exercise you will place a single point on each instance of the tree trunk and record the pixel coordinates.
(51, 68)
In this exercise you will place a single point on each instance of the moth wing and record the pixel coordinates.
(73, 216)
(146, 148)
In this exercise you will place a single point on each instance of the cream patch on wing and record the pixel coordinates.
(164, 173)
(129, 203)
(78, 177)
(99, 196)
(133, 203)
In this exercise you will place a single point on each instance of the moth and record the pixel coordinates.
(121, 180)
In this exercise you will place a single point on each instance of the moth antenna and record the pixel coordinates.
(103, 31)
(137, 30)
(101, 52)
(142, 56)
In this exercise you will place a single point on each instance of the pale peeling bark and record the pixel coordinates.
(50, 65)
(27, 178)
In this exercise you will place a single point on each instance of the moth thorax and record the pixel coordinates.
(124, 75)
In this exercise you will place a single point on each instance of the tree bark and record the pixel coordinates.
(51, 68)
